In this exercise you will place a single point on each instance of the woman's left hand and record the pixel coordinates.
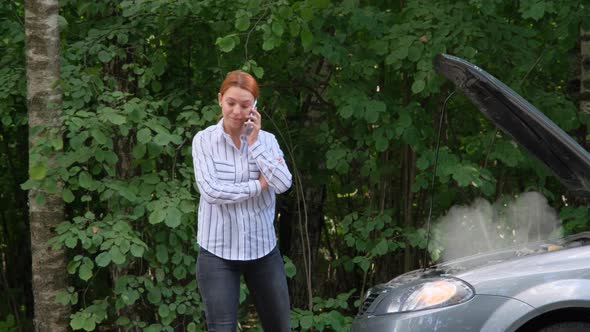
(256, 124)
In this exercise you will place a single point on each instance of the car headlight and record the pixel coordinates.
(423, 294)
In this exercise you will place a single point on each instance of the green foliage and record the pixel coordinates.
(325, 316)
(290, 268)
(15, 301)
(575, 219)
(350, 91)
(9, 324)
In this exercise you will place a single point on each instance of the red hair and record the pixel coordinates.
(241, 80)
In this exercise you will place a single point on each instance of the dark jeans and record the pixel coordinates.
(219, 285)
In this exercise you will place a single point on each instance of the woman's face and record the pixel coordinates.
(236, 104)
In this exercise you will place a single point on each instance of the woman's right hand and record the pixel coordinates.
(263, 182)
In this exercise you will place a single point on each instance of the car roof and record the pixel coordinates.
(568, 161)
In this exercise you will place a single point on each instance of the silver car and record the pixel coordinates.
(541, 286)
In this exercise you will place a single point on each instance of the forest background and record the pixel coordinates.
(347, 87)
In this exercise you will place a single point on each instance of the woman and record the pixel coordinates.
(238, 171)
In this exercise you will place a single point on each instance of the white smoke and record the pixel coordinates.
(482, 227)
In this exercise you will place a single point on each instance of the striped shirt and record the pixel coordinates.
(236, 216)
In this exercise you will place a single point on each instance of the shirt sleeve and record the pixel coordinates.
(211, 188)
(272, 165)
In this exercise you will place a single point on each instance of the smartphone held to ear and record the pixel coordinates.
(249, 127)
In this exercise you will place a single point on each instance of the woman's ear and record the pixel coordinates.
(219, 98)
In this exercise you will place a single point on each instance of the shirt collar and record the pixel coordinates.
(222, 134)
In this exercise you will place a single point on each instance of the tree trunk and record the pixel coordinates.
(408, 174)
(584, 97)
(43, 102)
(585, 72)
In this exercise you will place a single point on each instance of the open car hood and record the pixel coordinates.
(522, 121)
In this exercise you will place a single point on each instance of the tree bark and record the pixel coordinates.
(43, 102)
(408, 175)
(585, 72)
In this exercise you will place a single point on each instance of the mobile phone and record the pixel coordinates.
(248, 127)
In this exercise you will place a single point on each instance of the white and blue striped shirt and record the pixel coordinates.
(236, 217)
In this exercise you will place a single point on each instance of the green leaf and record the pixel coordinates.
(139, 151)
(371, 115)
(418, 86)
(122, 38)
(381, 248)
(162, 254)
(136, 250)
(464, 174)
(290, 268)
(191, 327)
(157, 216)
(179, 272)
(536, 11)
(117, 119)
(415, 52)
(40, 198)
(362, 261)
(68, 196)
(381, 143)
(334, 157)
(469, 52)
(124, 246)
(162, 139)
(85, 180)
(346, 111)
(38, 171)
(173, 216)
(306, 38)
(243, 23)
(164, 310)
(71, 241)
(399, 53)
(226, 44)
(129, 296)
(294, 28)
(29, 184)
(78, 320)
(306, 322)
(104, 56)
(73, 266)
(98, 136)
(6, 120)
(258, 71)
(123, 321)
(85, 271)
(116, 255)
(62, 297)
(144, 135)
(103, 259)
(507, 152)
(277, 28)
(90, 323)
(269, 44)
(380, 46)
(404, 122)
(57, 143)
(154, 295)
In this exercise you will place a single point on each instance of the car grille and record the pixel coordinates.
(368, 301)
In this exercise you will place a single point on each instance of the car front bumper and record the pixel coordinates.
(485, 313)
